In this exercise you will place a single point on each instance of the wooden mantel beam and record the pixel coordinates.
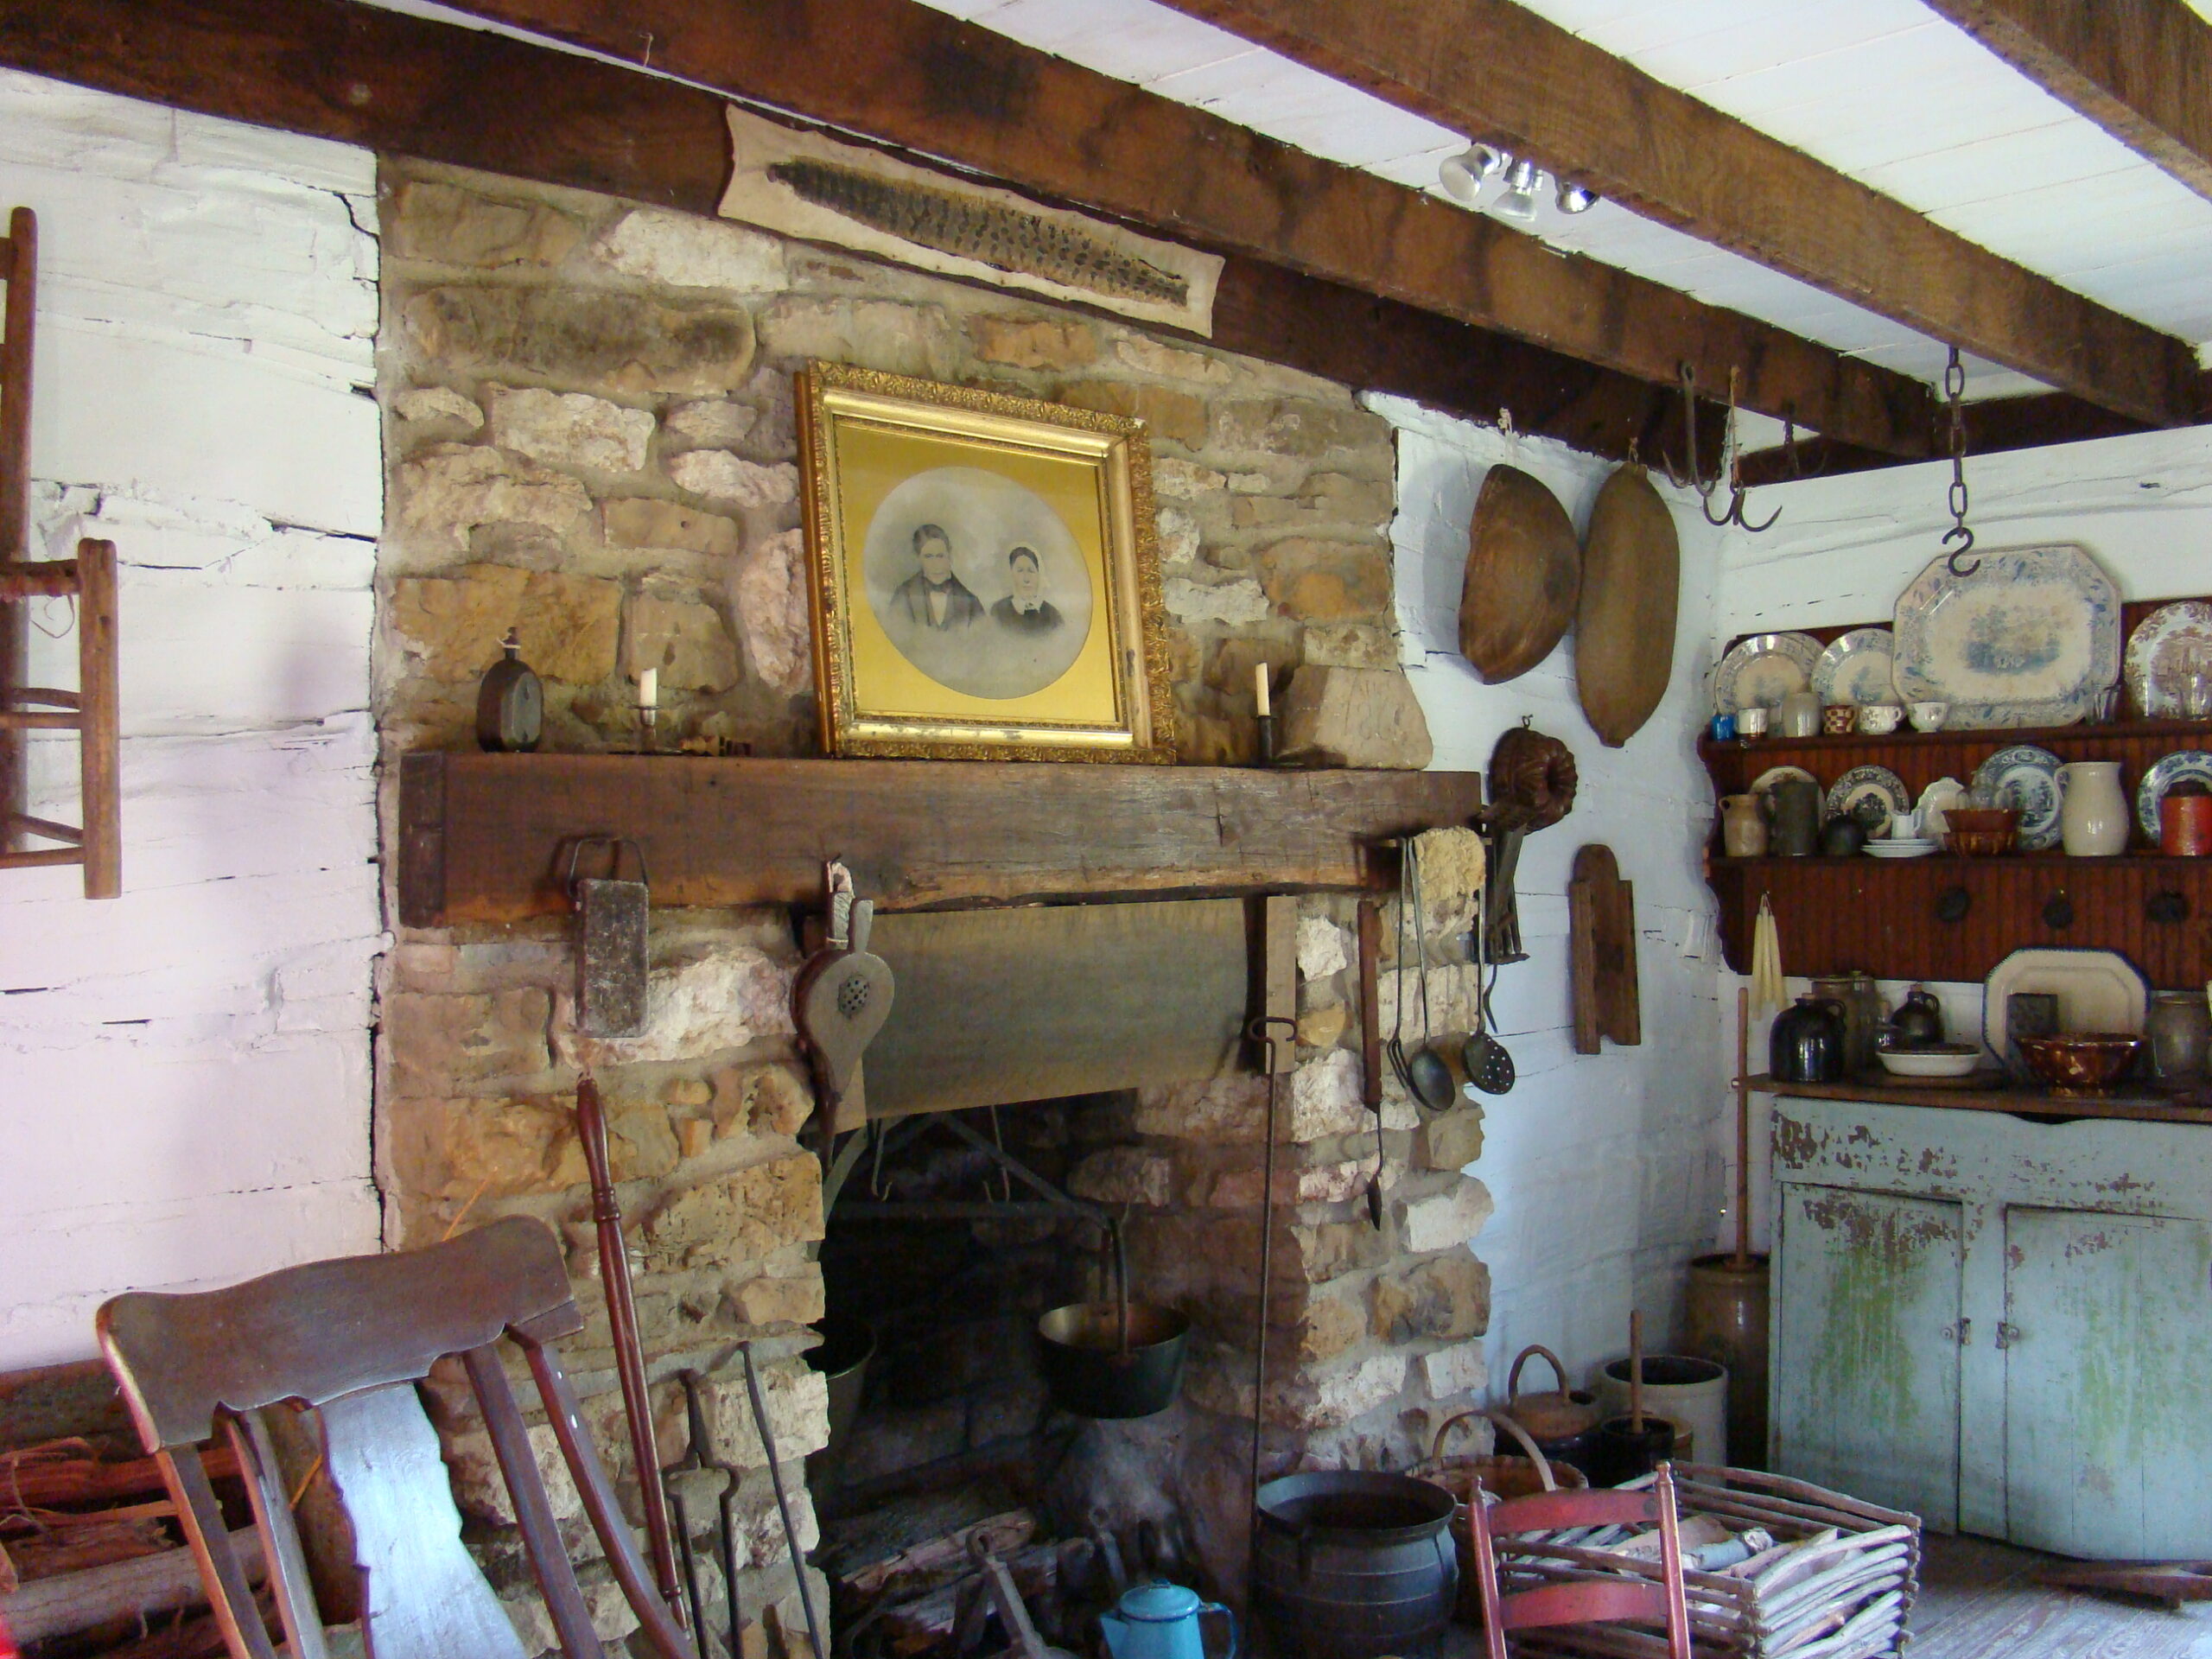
(901, 73)
(2140, 69)
(1497, 72)
(483, 838)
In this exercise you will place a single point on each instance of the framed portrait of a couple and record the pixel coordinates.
(983, 573)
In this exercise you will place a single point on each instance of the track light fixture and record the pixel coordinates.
(1464, 177)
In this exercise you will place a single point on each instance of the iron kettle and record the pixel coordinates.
(1160, 1621)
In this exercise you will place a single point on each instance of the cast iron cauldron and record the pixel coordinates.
(1090, 1371)
(1353, 1564)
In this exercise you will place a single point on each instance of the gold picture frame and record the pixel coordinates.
(982, 574)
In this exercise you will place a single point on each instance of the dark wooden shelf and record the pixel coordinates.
(483, 836)
(1835, 914)
(2144, 1108)
(2186, 734)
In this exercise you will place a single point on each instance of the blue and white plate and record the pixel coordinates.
(2170, 771)
(1761, 670)
(1873, 795)
(2026, 777)
(1857, 667)
(2031, 638)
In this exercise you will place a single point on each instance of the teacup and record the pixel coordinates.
(1880, 718)
(1752, 722)
(1836, 719)
(1904, 826)
(1930, 717)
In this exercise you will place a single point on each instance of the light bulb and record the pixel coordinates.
(1463, 174)
(1575, 199)
(1519, 202)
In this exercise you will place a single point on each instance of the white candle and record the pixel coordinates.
(648, 687)
(1260, 687)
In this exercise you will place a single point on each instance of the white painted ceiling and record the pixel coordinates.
(1882, 90)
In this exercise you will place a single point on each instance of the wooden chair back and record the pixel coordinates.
(352, 1338)
(1582, 1601)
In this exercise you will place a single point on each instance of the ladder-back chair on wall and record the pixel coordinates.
(352, 1338)
(88, 581)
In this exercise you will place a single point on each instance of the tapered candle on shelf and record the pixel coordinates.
(1264, 719)
(648, 702)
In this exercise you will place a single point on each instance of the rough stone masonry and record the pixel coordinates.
(589, 438)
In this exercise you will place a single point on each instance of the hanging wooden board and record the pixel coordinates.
(1524, 573)
(1624, 621)
(1601, 924)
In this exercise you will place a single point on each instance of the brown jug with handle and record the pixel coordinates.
(1564, 1422)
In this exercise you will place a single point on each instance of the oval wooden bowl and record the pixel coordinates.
(1625, 619)
(1525, 574)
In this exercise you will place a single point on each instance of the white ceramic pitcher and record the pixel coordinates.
(2092, 816)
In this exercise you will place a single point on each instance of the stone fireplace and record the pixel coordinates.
(589, 439)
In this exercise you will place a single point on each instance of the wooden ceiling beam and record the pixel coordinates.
(1500, 73)
(2140, 69)
(901, 73)
(470, 97)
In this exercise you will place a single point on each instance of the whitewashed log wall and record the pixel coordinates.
(1605, 1167)
(184, 1071)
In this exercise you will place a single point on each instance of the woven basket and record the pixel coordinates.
(1500, 1476)
(1846, 1598)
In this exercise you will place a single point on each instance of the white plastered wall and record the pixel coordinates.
(1845, 547)
(184, 1071)
(1605, 1167)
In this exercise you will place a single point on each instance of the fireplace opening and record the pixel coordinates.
(939, 1260)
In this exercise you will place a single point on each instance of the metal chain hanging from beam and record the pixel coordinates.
(1954, 388)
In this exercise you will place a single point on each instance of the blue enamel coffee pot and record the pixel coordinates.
(1160, 1621)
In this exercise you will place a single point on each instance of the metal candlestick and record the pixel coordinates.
(1267, 738)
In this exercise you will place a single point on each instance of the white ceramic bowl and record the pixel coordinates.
(1946, 1060)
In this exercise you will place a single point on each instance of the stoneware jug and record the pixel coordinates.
(2092, 817)
(1918, 1022)
(1743, 827)
(1806, 1043)
(2180, 1030)
(1796, 818)
(1160, 1621)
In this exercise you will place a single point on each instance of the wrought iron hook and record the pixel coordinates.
(1737, 493)
(1688, 378)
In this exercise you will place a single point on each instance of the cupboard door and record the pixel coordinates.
(1865, 1389)
(2107, 1341)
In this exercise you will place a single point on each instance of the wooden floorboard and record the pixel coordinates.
(1979, 1600)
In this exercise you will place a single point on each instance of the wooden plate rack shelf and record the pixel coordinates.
(1838, 914)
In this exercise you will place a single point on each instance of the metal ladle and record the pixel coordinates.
(1489, 1068)
(1426, 1074)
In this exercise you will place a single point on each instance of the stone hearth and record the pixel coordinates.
(589, 438)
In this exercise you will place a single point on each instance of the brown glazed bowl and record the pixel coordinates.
(2085, 1063)
(1982, 831)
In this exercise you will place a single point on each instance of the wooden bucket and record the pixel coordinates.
(1501, 1477)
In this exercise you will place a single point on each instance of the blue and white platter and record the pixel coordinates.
(2030, 638)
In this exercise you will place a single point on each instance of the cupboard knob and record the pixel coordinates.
(2007, 1335)
(1962, 1333)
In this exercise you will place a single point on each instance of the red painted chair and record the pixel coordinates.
(1582, 1601)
